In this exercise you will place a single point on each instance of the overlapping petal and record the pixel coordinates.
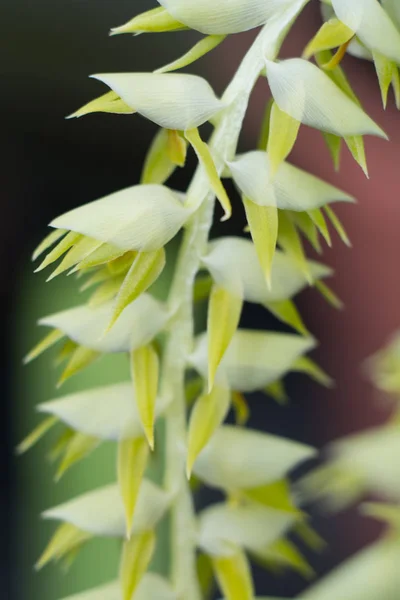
(370, 574)
(106, 413)
(372, 24)
(225, 16)
(308, 95)
(233, 264)
(142, 217)
(392, 7)
(290, 189)
(370, 456)
(139, 323)
(237, 458)
(253, 359)
(171, 100)
(101, 512)
(252, 527)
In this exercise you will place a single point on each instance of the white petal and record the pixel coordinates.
(110, 591)
(254, 358)
(106, 413)
(392, 7)
(142, 217)
(151, 586)
(307, 94)
(371, 455)
(252, 527)
(233, 264)
(171, 100)
(237, 458)
(224, 16)
(139, 323)
(355, 47)
(101, 511)
(372, 25)
(290, 189)
(371, 574)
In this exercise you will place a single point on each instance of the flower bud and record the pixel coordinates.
(171, 100)
(269, 458)
(307, 94)
(372, 24)
(224, 16)
(142, 217)
(91, 512)
(139, 323)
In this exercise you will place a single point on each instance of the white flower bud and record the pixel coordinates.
(370, 574)
(304, 92)
(233, 264)
(91, 512)
(106, 413)
(224, 16)
(140, 322)
(254, 359)
(290, 189)
(372, 24)
(238, 459)
(142, 217)
(252, 527)
(171, 100)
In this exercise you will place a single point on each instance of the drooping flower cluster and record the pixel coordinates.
(118, 243)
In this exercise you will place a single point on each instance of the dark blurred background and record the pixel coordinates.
(49, 165)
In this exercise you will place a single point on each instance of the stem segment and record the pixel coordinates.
(180, 339)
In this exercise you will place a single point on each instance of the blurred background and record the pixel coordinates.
(50, 165)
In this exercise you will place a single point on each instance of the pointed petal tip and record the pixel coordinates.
(109, 326)
(383, 134)
(41, 267)
(18, 450)
(128, 533)
(38, 566)
(115, 31)
(27, 359)
(189, 468)
(61, 382)
(98, 77)
(52, 276)
(149, 433)
(226, 216)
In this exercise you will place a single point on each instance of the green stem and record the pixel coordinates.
(180, 339)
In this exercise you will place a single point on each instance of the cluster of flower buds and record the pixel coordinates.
(358, 466)
(119, 244)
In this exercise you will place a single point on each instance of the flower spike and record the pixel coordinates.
(184, 380)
